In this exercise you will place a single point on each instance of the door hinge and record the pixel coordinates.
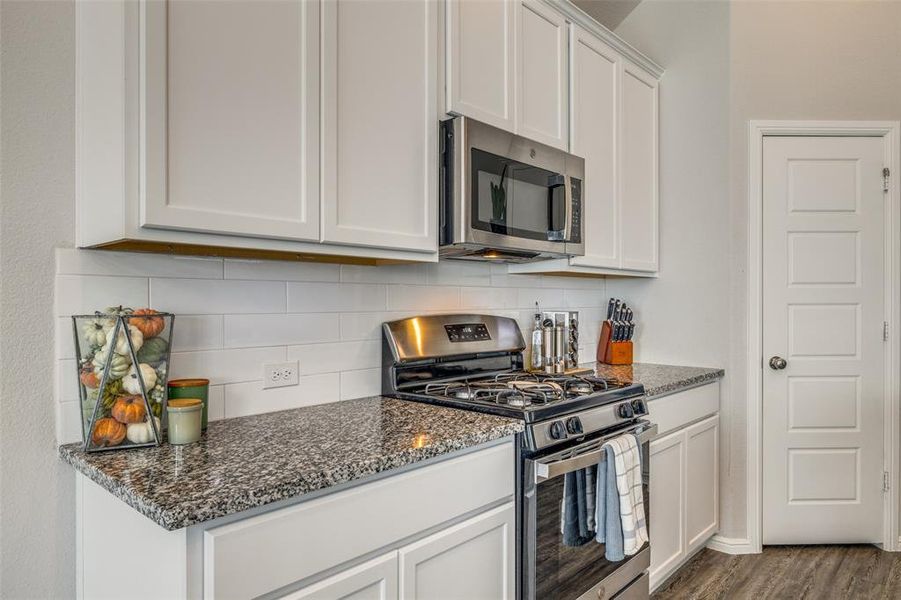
(885, 481)
(885, 331)
(885, 175)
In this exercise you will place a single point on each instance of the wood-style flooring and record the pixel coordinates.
(789, 572)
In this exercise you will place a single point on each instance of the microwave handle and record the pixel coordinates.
(568, 201)
(556, 468)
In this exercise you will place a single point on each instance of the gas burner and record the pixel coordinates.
(579, 387)
(514, 397)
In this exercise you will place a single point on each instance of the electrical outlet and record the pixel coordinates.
(280, 374)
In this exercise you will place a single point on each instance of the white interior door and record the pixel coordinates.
(823, 311)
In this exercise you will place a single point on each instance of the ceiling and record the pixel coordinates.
(609, 13)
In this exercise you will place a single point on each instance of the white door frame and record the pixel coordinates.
(889, 131)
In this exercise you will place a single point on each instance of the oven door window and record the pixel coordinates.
(516, 199)
(565, 569)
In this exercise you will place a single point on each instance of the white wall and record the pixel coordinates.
(685, 313)
(232, 316)
(37, 154)
(796, 60)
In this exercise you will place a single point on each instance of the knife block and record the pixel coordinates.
(611, 352)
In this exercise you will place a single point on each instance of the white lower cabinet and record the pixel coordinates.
(480, 547)
(684, 481)
(409, 534)
(373, 580)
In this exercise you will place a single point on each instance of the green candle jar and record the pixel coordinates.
(192, 388)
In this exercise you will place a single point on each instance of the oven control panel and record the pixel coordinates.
(550, 432)
(467, 332)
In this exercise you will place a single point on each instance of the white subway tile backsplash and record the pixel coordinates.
(367, 325)
(234, 315)
(242, 331)
(84, 294)
(68, 422)
(415, 274)
(197, 332)
(458, 273)
(209, 297)
(341, 356)
(584, 298)
(280, 271)
(224, 366)
(215, 409)
(548, 299)
(243, 399)
(335, 297)
(70, 261)
(361, 384)
(421, 298)
(472, 298)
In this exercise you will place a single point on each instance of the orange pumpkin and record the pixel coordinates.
(108, 432)
(144, 320)
(129, 409)
(89, 378)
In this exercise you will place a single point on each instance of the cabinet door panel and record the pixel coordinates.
(595, 88)
(482, 548)
(481, 80)
(543, 86)
(373, 580)
(230, 117)
(667, 525)
(638, 155)
(380, 135)
(702, 481)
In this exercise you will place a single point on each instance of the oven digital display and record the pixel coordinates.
(467, 332)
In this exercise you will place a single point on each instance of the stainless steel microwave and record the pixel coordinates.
(506, 198)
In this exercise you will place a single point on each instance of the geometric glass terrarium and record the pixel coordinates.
(123, 368)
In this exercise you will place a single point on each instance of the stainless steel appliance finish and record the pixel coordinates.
(506, 198)
(475, 362)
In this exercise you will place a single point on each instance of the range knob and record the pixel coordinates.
(557, 430)
(624, 411)
(574, 425)
(639, 407)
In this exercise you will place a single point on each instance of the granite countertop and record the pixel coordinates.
(252, 461)
(661, 379)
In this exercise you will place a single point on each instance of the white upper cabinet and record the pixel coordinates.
(593, 135)
(380, 128)
(231, 118)
(541, 65)
(481, 48)
(613, 126)
(272, 129)
(638, 184)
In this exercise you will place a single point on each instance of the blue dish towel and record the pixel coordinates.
(575, 509)
(607, 516)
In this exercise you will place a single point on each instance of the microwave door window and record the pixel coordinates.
(512, 198)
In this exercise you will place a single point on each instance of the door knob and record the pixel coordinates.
(777, 363)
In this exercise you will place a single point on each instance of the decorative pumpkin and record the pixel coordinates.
(95, 330)
(88, 376)
(149, 325)
(118, 366)
(118, 311)
(153, 350)
(131, 384)
(142, 433)
(108, 432)
(121, 346)
(129, 409)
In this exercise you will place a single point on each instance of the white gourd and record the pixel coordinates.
(131, 384)
(121, 346)
(118, 366)
(141, 433)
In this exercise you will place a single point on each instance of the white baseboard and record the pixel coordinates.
(731, 545)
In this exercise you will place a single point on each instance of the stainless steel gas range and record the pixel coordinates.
(475, 362)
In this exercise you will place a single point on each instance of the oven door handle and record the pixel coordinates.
(556, 468)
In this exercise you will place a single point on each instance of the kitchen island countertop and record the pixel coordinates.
(246, 462)
(660, 380)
